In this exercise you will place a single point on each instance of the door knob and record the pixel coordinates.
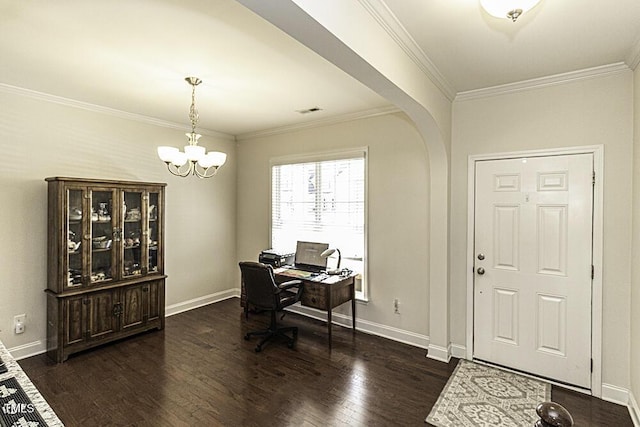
(480, 257)
(480, 271)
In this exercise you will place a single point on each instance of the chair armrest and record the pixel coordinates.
(290, 284)
(285, 289)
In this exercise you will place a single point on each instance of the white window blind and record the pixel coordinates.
(321, 201)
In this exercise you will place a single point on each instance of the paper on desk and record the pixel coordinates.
(332, 279)
(298, 274)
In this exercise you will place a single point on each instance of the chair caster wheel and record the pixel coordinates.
(258, 349)
(290, 345)
(246, 337)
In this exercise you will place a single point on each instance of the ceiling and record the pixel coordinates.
(133, 56)
(473, 50)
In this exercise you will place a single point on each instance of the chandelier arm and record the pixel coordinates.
(204, 173)
(175, 170)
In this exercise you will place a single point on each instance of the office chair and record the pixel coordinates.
(263, 293)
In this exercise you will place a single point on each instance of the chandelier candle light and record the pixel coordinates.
(198, 161)
(510, 9)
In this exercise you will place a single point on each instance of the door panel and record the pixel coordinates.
(156, 300)
(505, 321)
(552, 240)
(507, 237)
(552, 324)
(102, 320)
(532, 285)
(74, 319)
(133, 313)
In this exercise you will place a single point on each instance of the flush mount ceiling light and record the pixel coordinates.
(196, 159)
(510, 9)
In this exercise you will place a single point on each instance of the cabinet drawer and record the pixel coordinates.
(314, 295)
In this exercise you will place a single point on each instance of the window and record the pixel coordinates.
(322, 200)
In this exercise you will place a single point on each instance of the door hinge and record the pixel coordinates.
(592, 272)
(593, 178)
(591, 365)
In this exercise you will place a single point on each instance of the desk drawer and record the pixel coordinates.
(314, 295)
(341, 294)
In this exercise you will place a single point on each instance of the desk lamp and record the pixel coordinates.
(327, 254)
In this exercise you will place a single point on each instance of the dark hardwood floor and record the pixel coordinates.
(200, 371)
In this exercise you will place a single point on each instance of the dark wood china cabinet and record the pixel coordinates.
(105, 262)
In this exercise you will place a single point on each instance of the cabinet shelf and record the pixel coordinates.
(95, 250)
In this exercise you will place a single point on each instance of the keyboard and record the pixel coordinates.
(309, 268)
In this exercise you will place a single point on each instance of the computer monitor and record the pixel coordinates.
(308, 256)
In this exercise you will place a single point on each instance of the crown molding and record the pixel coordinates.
(45, 97)
(633, 59)
(319, 123)
(54, 99)
(553, 80)
(388, 21)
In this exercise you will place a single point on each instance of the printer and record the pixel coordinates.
(276, 258)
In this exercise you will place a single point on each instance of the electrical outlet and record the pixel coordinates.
(19, 323)
(396, 306)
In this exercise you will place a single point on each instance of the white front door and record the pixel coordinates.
(532, 281)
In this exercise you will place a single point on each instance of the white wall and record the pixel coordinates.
(587, 112)
(39, 139)
(397, 217)
(381, 64)
(635, 282)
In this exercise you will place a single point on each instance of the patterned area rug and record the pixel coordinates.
(478, 395)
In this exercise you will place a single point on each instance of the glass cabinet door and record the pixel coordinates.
(110, 234)
(153, 232)
(102, 236)
(75, 234)
(132, 233)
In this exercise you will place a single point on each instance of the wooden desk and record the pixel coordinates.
(323, 294)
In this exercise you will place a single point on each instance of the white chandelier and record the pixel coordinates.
(198, 162)
(510, 9)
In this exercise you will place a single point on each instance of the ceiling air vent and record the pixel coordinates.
(309, 110)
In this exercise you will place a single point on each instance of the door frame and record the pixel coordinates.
(597, 245)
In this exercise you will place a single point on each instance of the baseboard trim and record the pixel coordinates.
(39, 347)
(610, 393)
(192, 304)
(344, 320)
(442, 354)
(28, 350)
(634, 410)
(458, 351)
(615, 394)
(389, 332)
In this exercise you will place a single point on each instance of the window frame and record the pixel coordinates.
(359, 152)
